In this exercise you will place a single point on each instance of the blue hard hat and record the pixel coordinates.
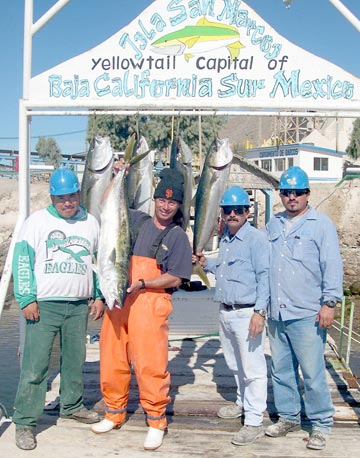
(63, 181)
(294, 178)
(235, 196)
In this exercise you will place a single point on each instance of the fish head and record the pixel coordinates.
(220, 153)
(100, 153)
(176, 49)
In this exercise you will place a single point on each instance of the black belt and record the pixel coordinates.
(236, 306)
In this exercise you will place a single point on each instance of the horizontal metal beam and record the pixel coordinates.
(308, 114)
(186, 105)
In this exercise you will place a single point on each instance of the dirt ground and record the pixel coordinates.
(340, 204)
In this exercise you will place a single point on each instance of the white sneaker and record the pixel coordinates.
(104, 426)
(154, 438)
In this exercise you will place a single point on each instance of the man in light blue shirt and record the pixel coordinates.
(242, 288)
(306, 278)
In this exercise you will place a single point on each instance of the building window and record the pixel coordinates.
(290, 161)
(280, 164)
(321, 164)
(256, 163)
(266, 165)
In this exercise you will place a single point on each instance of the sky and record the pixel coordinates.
(314, 25)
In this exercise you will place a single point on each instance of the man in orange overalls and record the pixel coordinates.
(137, 334)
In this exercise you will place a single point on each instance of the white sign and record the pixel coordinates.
(197, 54)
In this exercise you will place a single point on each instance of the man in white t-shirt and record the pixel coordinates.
(53, 281)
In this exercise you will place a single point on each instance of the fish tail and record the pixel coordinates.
(200, 272)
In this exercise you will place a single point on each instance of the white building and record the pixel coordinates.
(320, 163)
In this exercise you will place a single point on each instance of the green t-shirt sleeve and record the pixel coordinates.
(25, 290)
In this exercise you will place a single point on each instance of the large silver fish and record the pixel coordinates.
(211, 186)
(139, 181)
(181, 160)
(97, 174)
(113, 257)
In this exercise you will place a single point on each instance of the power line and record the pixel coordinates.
(48, 135)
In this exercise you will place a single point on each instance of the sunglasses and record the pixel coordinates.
(296, 192)
(237, 210)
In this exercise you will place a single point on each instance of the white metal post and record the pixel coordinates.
(354, 21)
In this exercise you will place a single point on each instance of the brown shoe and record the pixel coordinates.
(83, 415)
(25, 439)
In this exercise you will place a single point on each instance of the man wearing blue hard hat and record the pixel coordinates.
(242, 288)
(306, 282)
(53, 281)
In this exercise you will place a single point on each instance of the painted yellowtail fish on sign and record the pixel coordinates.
(203, 37)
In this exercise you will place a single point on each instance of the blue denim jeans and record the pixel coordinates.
(69, 319)
(294, 344)
(246, 359)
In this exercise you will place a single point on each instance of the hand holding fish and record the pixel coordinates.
(120, 165)
(200, 258)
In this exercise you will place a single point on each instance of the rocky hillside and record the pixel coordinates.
(254, 129)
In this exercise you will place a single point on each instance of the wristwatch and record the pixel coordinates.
(330, 304)
(261, 312)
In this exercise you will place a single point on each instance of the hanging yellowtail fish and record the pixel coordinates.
(211, 186)
(139, 182)
(114, 249)
(181, 160)
(97, 174)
